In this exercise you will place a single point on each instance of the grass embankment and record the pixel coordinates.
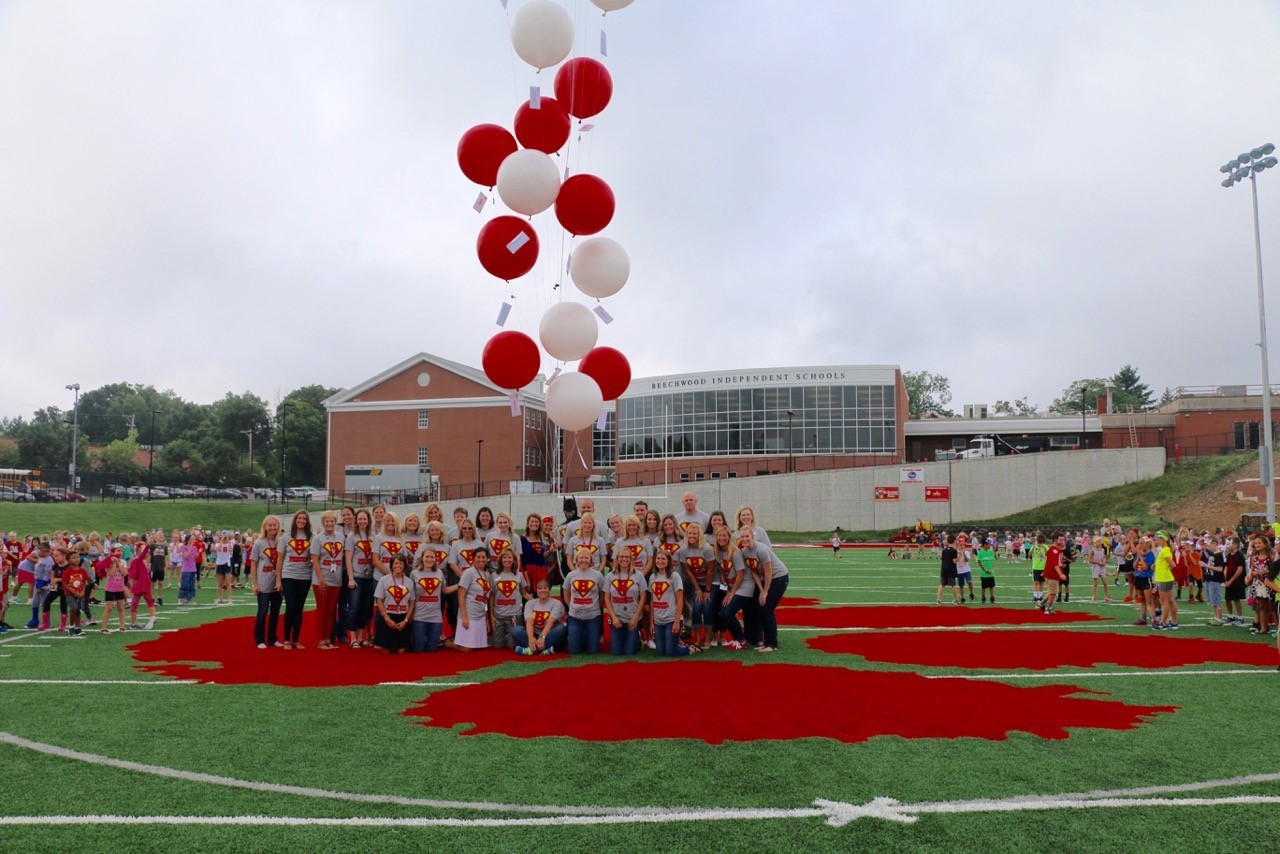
(132, 516)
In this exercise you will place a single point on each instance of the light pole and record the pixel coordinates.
(151, 458)
(791, 460)
(249, 433)
(1084, 392)
(75, 433)
(284, 409)
(479, 482)
(1248, 166)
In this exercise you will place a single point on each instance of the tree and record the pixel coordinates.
(1130, 390)
(1015, 407)
(45, 441)
(1080, 393)
(927, 393)
(120, 457)
(10, 456)
(305, 429)
(1167, 397)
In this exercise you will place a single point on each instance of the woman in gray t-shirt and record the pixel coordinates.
(428, 585)
(583, 590)
(474, 619)
(666, 597)
(625, 592)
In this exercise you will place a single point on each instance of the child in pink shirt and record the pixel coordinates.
(140, 586)
(114, 588)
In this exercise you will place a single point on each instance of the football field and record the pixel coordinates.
(883, 722)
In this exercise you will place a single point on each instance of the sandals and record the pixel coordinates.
(325, 645)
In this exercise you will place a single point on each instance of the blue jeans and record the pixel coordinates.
(268, 618)
(729, 618)
(187, 586)
(426, 636)
(668, 643)
(554, 636)
(624, 641)
(703, 612)
(359, 605)
(584, 635)
(768, 620)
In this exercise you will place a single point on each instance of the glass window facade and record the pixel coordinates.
(603, 443)
(827, 419)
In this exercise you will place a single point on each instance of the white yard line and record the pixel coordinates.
(99, 682)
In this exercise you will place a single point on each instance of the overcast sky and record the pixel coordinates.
(213, 196)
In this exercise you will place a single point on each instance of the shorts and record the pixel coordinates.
(74, 603)
(948, 579)
(1166, 586)
(835, 549)
(26, 576)
(1052, 585)
(988, 582)
(157, 575)
(1037, 576)
(1099, 571)
(1235, 593)
(224, 569)
(963, 578)
(1140, 583)
(1213, 593)
(113, 596)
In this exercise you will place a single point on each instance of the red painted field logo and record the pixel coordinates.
(789, 701)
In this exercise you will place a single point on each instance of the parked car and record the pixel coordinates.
(112, 490)
(61, 493)
(225, 493)
(180, 492)
(8, 493)
(137, 492)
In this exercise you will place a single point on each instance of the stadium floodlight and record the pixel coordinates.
(1237, 173)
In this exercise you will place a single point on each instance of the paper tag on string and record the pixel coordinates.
(503, 313)
(604, 44)
(604, 315)
(568, 263)
(481, 201)
(535, 97)
(603, 419)
(516, 242)
(588, 126)
(515, 404)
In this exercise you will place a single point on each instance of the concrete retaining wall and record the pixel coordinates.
(822, 500)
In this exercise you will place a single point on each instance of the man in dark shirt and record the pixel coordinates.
(949, 556)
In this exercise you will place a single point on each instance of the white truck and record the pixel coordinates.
(382, 482)
(979, 449)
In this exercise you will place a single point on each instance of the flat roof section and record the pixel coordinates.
(765, 378)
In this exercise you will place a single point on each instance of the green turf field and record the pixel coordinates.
(748, 795)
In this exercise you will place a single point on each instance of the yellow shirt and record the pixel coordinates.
(1164, 564)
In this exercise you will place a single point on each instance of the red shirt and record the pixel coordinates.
(75, 580)
(1052, 560)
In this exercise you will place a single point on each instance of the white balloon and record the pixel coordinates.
(568, 331)
(599, 266)
(574, 401)
(611, 5)
(528, 181)
(542, 33)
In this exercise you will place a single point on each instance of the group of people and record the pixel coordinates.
(1158, 571)
(675, 583)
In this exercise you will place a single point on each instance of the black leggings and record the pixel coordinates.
(50, 598)
(295, 598)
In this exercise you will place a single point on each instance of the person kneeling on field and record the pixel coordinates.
(542, 631)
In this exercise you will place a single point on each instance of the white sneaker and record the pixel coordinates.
(262, 646)
(652, 645)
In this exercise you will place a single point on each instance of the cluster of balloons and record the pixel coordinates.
(521, 167)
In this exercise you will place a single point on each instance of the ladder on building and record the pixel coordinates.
(1133, 428)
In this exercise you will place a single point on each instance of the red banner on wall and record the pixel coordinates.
(886, 493)
(937, 493)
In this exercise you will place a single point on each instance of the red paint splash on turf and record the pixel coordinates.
(799, 601)
(224, 652)
(921, 616)
(787, 701)
(1043, 649)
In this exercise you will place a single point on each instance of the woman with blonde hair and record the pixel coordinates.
(386, 544)
(266, 583)
(411, 539)
(746, 518)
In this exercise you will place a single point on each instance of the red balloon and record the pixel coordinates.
(495, 243)
(545, 129)
(511, 360)
(609, 368)
(584, 86)
(585, 204)
(482, 150)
